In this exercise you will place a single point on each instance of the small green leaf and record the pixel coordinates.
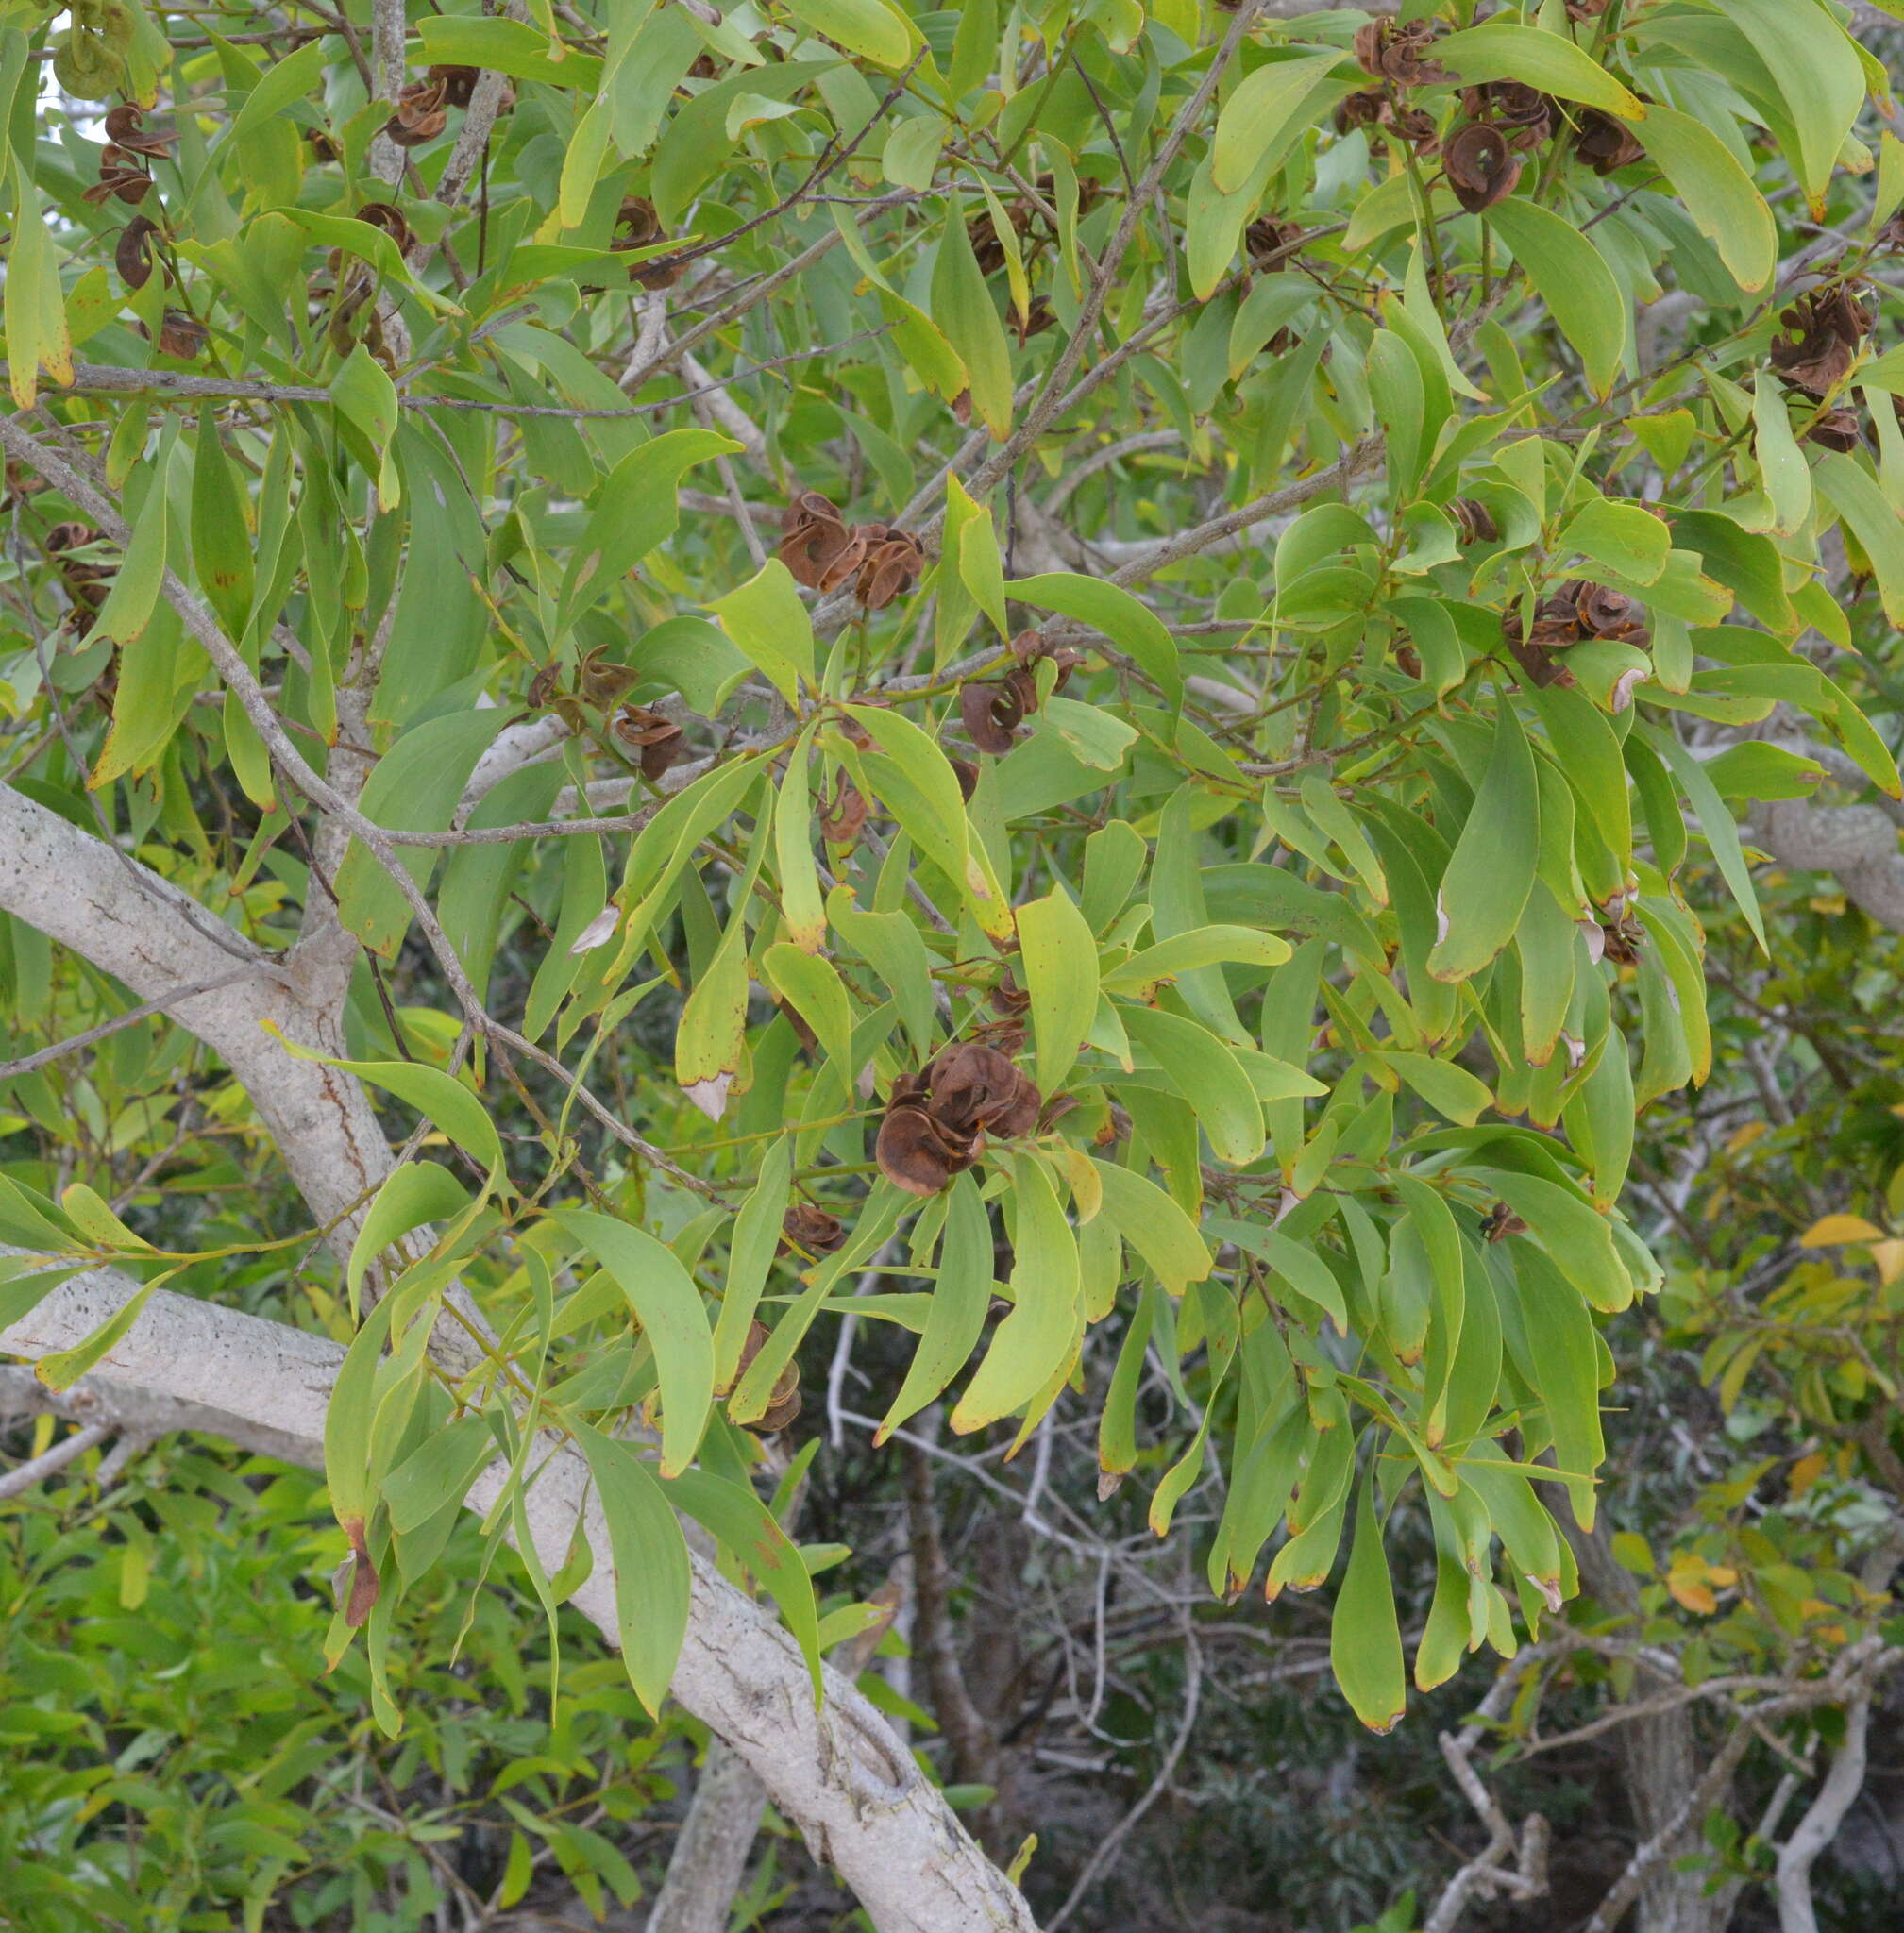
(1500, 50)
(650, 1555)
(1492, 872)
(1061, 971)
(1571, 277)
(1365, 1636)
(670, 1308)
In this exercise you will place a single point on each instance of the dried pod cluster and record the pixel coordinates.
(823, 552)
(937, 1120)
(1401, 54)
(637, 226)
(422, 105)
(1822, 333)
(991, 710)
(1578, 612)
(123, 173)
(782, 1404)
(656, 739)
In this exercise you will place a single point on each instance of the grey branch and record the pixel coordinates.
(833, 1768)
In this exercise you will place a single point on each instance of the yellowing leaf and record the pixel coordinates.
(1836, 1230)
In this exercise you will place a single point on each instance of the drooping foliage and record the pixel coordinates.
(1087, 616)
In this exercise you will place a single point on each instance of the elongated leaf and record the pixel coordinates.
(1365, 1635)
(1132, 627)
(1573, 279)
(673, 1317)
(961, 1296)
(1269, 106)
(746, 1526)
(650, 1555)
(1036, 1340)
(1492, 872)
(1500, 50)
(1061, 971)
(1720, 197)
(1154, 1226)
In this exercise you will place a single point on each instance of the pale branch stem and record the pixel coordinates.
(709, 1859)
(1851, 1676)
(1819, 1827)
(35, 1470)
(48, 1055)
(833, 1767)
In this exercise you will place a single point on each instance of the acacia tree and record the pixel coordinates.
(1066, 655)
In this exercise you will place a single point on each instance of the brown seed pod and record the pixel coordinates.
(1401, 54)
(936, 1120)
(1523, 113)
(894, 559)
(808, 1229)
(182, 334)
(658, 739)
(1838, 429)
(991, 714)
(1481, 167)
(1268, 243)
(1605, 143)
(1501, 1222)
(840, 823)
(637, 226)
(1828, 325)
(120, 177)
(419, 116)
(783, 1398)
(391, 219)
(967, 773)
(125, 128)
(1605, 613)
(1474, 522)
(817, 549)
(132, 253)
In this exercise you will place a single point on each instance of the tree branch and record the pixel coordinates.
(835, 1770)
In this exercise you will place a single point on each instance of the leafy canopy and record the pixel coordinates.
(1110, 597)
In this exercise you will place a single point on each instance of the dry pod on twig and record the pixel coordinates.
(991, 714)
(182, 334)
(840, 823)
(782, 1404)
(658, 739)
(936, 1120)
(391, 219)
(1837, 428)
(894, 559)
(419, 116)
(637, 226)
(1523, 113)
(1481, 167)
(1605, 613)
(1474, 522)
(808, 1229)
(86, 582)
(1828, 325)
(132, 253)
(1606, 144)
(817, 549)
(1401, 54)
